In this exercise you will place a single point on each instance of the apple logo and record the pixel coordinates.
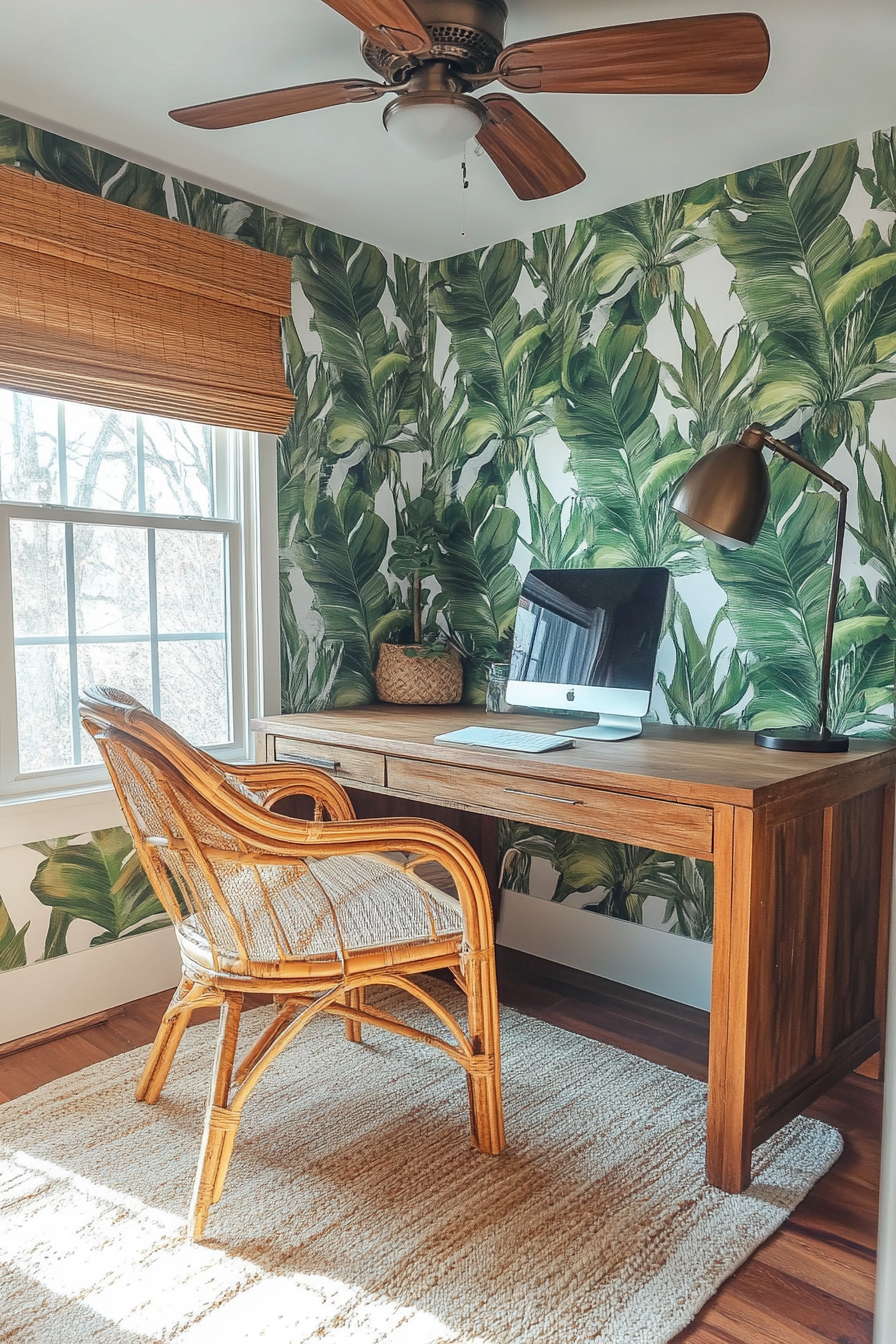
(570, 695)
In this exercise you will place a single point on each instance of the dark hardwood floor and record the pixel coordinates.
(812, 1281)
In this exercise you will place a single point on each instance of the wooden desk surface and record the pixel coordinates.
(697, 765)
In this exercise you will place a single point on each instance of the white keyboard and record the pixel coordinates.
(504, 739)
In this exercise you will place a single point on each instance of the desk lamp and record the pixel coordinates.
(725, 497)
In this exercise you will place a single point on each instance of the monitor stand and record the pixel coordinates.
(611, 728)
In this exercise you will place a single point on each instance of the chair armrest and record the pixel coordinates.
(279, 780)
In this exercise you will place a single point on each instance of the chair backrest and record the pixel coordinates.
(107, 707)
(176, 800)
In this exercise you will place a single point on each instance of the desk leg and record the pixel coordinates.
(731, 1101)
(800, 947)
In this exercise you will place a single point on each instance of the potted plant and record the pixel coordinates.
(428, 671)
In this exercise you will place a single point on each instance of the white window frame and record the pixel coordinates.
(246, 496)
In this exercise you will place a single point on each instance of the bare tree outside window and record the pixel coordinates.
(131, 596)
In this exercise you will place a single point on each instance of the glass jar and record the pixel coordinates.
(496, 689)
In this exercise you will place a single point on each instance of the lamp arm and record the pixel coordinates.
(785, 450)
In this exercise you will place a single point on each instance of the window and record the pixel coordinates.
(121, 562)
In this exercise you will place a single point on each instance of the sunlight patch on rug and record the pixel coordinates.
(131, 1265)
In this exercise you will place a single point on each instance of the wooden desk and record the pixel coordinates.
(802, 848)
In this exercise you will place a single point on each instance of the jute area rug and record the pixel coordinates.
(355, 1211)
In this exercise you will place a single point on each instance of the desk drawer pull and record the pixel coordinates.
(547, 797)
(316, 761)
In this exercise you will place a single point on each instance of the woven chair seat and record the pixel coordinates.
(322, 910)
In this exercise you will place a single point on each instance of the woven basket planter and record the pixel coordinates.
(403, 677)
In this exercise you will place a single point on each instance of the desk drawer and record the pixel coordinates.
(345, 763)
(677, 828)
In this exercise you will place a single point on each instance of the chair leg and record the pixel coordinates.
(484, 1089)
(286, 1014)
(221, 1124)
(354, 998)
(164, 1048)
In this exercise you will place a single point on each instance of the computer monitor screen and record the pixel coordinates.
(587, 639)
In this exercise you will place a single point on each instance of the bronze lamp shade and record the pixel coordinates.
(725, 494)
(725, 497)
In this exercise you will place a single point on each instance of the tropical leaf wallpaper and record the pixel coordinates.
(79, 891)
(534, 403)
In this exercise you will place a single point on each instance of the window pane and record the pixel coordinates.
(142, 608)
(124, 666)
(101, 457)
(29, 453)
(193, 688)
(191, 583)
(37, 551)
(178, 467)
(43, 693)
(111, 580)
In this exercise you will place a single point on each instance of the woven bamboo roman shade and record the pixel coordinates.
(105, 304)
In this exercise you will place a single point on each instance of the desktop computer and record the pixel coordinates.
(587, 640)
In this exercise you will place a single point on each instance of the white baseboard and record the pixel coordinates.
(48, 993)
(631, 954)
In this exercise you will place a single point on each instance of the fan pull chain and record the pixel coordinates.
(466, 182)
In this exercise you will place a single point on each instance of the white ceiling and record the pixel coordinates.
(107, 71)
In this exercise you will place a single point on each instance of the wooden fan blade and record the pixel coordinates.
(390, 23)
(533, 161)
(277, 103)
(719, 53)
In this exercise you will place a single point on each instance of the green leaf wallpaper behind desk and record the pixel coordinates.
(547, 394)
(544, 395)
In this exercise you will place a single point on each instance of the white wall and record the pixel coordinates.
(47, 993)
(631, 954)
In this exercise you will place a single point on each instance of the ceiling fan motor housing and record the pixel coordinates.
(467, 35)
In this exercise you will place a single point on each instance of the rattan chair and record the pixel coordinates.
(311, 912)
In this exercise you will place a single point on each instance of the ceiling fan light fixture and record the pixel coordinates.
(434, 126)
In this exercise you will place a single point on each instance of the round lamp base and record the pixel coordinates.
(801, 739)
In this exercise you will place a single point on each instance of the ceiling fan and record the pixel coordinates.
(433, 54)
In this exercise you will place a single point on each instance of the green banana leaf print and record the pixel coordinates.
(500, 353)
(706, 687)
(864, 664)
(826, 301)
(99, 880)
(480, 587)
(777, 595)
(783, 629)
(620, 459)
(563, 265)
(534, 403)
(876, 533)
(303, 463)
(81, 167)
(718, 393)
(518, 844)
(12, 941)
(564, 533)
(340, 552)
(687, 888)
(628, 874)
(345, 282)
(648, 243)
